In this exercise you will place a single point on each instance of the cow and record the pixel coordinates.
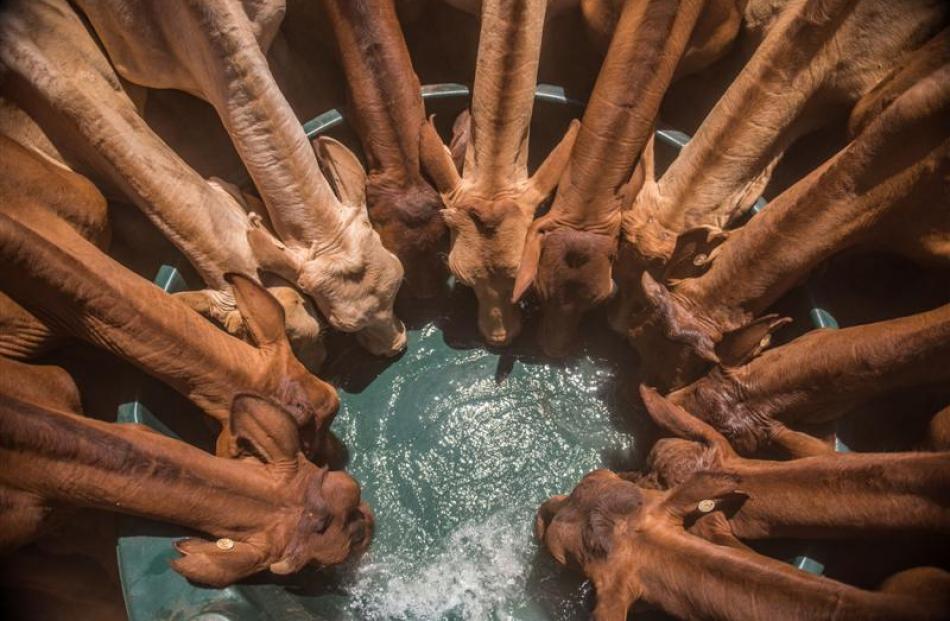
(325, 244)
(855, 495)
(67, 282)
(632, 544)
(56, 72)
(386, 110)
(863, 196)
(569, 251)
(815, 62)
(490, 206)
(816, 378)
(279, 515)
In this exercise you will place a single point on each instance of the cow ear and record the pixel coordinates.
(342, 169)
(217, 564)
(263, 314)
(547, 176)
(679, 422)
(269, 431)
(614, 594)
(546, 513)
(530, 256)
(437, 159)
(702, 492)
(461, 136)
(742, 345)
(678, 323)
(272, 255)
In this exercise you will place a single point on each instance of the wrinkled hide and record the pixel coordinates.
(490, 207)
(57, 73)
(326, 244)
(279, 515)
(387, 112)
(815, 62)
(713, 35)
(827, 63)
(70, 284)
(816, 378)
(865, 195)
(565, 249)
(631, 543)
(855, 495)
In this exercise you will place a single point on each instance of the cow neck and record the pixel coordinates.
(230, 65)
(69, 84)
(22, 336)
(506, 74)
(173, 481)
(72, 284)
(649, 40)
(851, 199)
(830, 496)
(703, 580)
(841, 367)
(384, 91)
(708, 181)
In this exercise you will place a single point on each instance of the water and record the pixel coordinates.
(456, 447)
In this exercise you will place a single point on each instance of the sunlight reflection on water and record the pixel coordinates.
(455, 464)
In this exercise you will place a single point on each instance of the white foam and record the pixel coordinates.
(478, 574)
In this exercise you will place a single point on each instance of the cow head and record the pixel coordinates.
(612, 530)
(571, 272)
(487, 236)
(408, 219)
(317, 517)
(488, 228)
(351, 276)
(283, 381)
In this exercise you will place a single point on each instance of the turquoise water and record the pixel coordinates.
(456, 446)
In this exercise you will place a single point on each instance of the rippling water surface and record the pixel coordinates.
(456, 446)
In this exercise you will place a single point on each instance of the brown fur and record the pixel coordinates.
(858, 495)
(603, 175)
(280, 515)
(817, 378)
(70, 284)
(490, 207)
(866, 195)
(215, 50)
(815, 62)
(387, 113)
(631, 543)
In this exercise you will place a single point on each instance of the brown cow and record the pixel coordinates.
(69, 283)
(326, 246)
(632, 544)
(279, 516)
(815, 62)
(867, 194)
(490, 207)
(385, 100)
(55, 70)
(569, 251)
(844, 495)
(816, 378)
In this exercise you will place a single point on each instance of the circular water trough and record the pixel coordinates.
(455, 447)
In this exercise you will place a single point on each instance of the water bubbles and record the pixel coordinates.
(455, 463)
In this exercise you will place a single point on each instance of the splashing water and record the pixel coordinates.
(455, 450)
